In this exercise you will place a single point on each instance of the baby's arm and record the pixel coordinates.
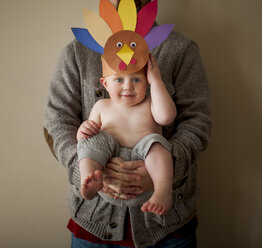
(163, 107)
(91, 126)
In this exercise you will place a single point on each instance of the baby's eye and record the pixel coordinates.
(119, 44)
(119, 80)
(136, 80)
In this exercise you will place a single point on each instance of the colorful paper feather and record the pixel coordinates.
(108, 12)
(128, 14)
(157, 35)
(146, 18)
(86, 39)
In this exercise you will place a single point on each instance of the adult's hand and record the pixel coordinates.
(124, 180)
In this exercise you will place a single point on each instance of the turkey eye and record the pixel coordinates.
(133, 44)
(119, 44)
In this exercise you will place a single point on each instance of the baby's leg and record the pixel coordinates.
(91, 178)
(159, 164)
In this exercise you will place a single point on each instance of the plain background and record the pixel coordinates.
(33, 185)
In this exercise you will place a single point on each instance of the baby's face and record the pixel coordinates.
(126, 89)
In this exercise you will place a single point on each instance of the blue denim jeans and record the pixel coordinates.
(183, 242)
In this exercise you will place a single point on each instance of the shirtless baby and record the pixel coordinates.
(129, 116)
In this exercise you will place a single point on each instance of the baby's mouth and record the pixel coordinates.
(127, 95)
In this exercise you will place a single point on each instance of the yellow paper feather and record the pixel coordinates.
(128, 15)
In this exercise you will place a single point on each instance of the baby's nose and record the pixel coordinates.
(128, 85)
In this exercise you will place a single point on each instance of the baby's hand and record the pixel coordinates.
(153, 73)
(87, 129)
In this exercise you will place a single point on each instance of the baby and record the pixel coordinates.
(133, 120)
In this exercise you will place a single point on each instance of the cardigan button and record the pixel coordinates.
(180, 196)
(113, 225)
(98, 93)
(108, 236)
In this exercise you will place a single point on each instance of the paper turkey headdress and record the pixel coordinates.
(123, 37)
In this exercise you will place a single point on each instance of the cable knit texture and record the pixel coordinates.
(100, 148)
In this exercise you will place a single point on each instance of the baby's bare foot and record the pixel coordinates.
(91, 185)
(158, 203)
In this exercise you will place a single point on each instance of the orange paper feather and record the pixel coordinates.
(108, 12)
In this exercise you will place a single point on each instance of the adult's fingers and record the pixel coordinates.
(115, 164)
(117, 167)
(119, 185)
(123, 196)
(116, 160)
(117, 195)
(132, 165)
(128, 190)
(107, 190)
(121, 176)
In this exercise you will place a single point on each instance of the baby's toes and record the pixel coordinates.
(145, 206)
(151, 207)
(98, 175)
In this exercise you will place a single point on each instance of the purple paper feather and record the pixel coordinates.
(157, 35)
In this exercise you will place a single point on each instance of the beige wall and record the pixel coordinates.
(33, 185)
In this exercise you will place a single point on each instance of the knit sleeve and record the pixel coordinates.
(193, 122)
(63, 113)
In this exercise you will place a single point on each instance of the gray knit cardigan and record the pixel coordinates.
(75, 88)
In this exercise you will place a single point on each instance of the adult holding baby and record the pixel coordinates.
(74, 90)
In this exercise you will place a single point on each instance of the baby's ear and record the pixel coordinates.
(103, 81)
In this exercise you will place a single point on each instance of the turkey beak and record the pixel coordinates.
(126, 54)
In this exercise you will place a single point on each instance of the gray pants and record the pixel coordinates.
(103, 146)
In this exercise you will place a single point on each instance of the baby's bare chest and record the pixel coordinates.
(130, 125)
(131, 120)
